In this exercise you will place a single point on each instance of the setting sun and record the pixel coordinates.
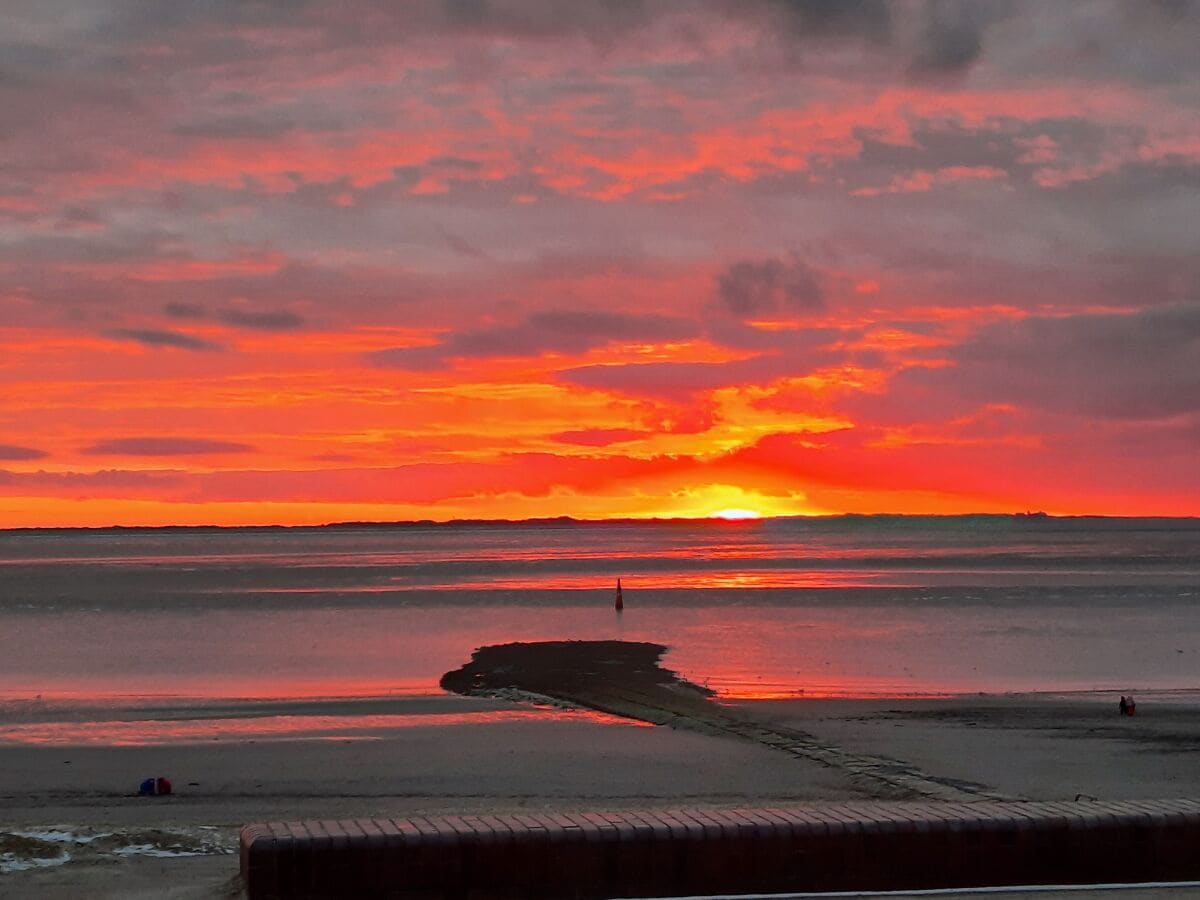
(734, 515)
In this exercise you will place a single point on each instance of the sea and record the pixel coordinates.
(844, 606)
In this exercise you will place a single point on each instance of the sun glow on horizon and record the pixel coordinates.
(735, 515)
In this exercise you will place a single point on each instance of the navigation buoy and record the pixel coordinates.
(620, 604)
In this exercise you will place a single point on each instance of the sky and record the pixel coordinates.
(306, 261)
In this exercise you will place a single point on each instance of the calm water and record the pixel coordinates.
(782, 607)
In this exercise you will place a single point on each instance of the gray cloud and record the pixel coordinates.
(185, 311)
(415, 359)
(669, 380)
(684, 381)
(461, 245)
(600, 20)
(1173, 9)
(273, 320)
(951, 35)
(258, 124)
(548, 331)
(1142, 365)
(121, 22)
(612, 326)
(277, 320)
(9, 451)
(295, 283)
(767, 287)
(151, 337)
(871, 19)
(164, 446)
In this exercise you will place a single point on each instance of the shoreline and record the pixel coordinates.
(152, 701)
(1032, 747)
(508, 752)
(179, 720)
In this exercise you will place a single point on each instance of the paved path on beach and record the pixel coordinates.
(678, 706)
(624, 678)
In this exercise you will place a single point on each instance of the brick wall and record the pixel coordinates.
(854, 846)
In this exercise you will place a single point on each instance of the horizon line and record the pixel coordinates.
(572, 520)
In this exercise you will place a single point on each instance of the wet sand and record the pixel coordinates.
(499, 753)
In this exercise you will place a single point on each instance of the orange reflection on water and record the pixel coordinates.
(158, 732)
(678, 580)
(832, 692)
(673, 581)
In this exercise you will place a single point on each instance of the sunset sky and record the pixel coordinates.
(301, 262)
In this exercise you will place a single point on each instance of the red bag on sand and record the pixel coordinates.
(153, 787)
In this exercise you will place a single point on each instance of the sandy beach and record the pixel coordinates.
(411, 755)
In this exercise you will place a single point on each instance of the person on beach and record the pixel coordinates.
(1130, 707)
(1123, 706)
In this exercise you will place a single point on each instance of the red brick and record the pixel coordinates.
(258, 857)
(846, 846)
